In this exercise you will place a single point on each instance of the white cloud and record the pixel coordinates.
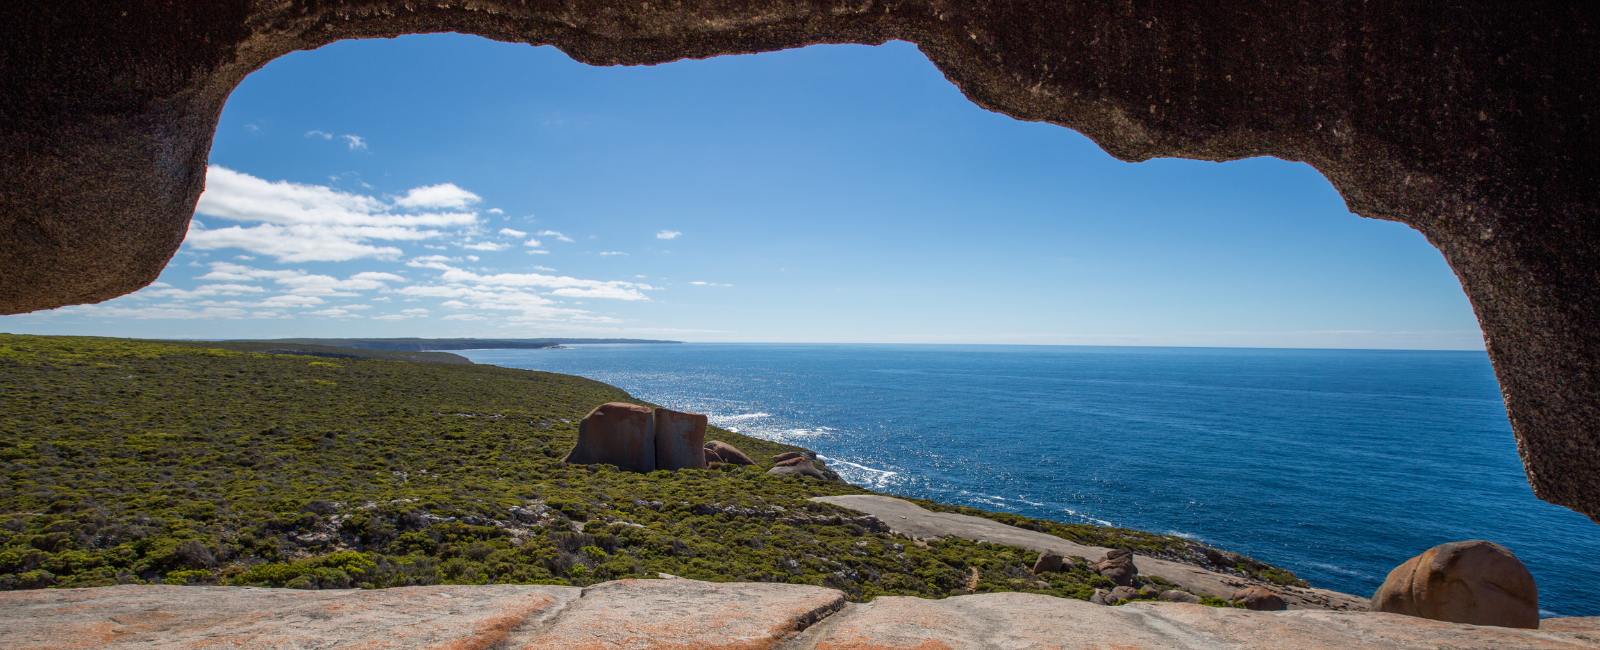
(463, 317)
(531, 242)
(314, 133)
(485, 246)
(288, 244)
(668, 234)
(557, 235)
(415, 312)
(315, 223)
(513, 233)
(109, 311)
(607, 253)
(710, 284)
(327, 285)
(355, 141)
(444, 195)
(331, 313)
(496, 211)
(560, 285)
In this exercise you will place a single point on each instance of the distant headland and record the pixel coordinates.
(421, 345)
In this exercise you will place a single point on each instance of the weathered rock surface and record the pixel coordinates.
(1476, 582)
(680, 440)
(797, 467)
(788, 455)
(1118, 566)
(1048, 561)
(1175, 596)
(1259, 599)
(616, 433)
(686, 614)
(712, 457)
(1014, 620)
(729, 453)
(1472, 125)
(1123, 593)
(913, 521)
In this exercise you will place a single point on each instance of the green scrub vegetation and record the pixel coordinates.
(127, 461)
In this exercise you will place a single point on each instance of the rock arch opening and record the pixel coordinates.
(1468, 123)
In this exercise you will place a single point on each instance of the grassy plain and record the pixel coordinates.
(127, 461)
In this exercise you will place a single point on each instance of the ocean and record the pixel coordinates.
(1336, 464)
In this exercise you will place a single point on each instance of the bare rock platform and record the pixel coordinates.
(914, 521)
(683, 614)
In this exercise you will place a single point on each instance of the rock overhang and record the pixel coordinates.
(1469, 122)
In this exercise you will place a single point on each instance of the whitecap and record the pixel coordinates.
(1092, 520)
(741, 416)
(1337, 569)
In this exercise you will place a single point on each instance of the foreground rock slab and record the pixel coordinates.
(1015, 620)
(683, 614)
(158, 616)
(914, 521)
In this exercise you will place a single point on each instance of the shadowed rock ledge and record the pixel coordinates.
(639, 614)
(1472, 122)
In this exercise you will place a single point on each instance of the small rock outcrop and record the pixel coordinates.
(616, 433)
(799, 467)
(1102, 597)
(1124, 593)
(1118, 566)
(1048, 561)
(711, 457)
(788, 455)
(1175, 596)
(1259, 599)
(680, 439)
(1475, 582)
(728, 453)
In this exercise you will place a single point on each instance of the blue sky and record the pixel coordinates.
(447, 185)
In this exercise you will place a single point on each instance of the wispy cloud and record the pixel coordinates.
(443, 195)
(486, 246)
(316, 223)
(513, 233)
(609, 253)
(668, 234)
(355, 141)
(557, 235)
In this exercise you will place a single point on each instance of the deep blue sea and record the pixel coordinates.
(1337, 464)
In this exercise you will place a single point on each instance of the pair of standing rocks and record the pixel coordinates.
(642, 439)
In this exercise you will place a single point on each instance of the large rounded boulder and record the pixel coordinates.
(1474, 582)
(728, 453)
